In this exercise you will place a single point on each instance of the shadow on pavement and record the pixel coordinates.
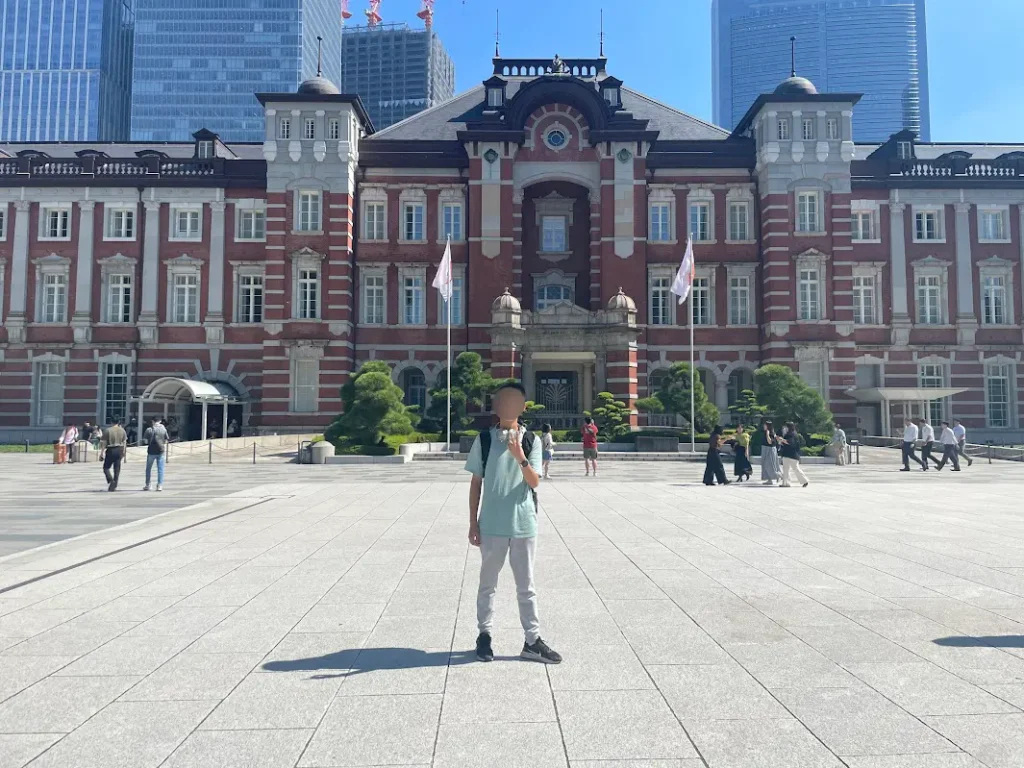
(993, 641)
(358, 660)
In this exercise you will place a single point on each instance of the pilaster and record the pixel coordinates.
(214, 323)
(81, 321)
(19, 274)
(148, 319)
(898, 274)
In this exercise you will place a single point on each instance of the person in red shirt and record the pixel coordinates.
(589, 432)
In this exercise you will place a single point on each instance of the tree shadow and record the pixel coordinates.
(992, 641)
(356, 661)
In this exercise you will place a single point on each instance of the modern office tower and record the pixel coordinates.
(874, 47)
(65, 70)
(199, 63)
(396, 71)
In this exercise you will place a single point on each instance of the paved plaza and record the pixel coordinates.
(278, 616)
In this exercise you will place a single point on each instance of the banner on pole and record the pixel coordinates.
(443, 280)
(687, 271)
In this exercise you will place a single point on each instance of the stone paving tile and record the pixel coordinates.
(500, 745)
(498, 692)
(995, 740)
(955, 760)
(925, 689)
(718, 691)
(16, 750)
(240, 749)
(192, 676)
(599, 668)
(759, 744)
(18, 673)
(127, 656)
(694, 763)
(59, 704)
(274, 701)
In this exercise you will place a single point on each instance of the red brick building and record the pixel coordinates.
(274, 270)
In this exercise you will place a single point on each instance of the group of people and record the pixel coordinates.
(113, 443)
(780, 456)
(952, 440)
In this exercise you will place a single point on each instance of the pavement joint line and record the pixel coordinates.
(119, 550)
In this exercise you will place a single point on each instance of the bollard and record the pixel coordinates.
(254, 453)
(26, 446)
(989, 451)
(210, 461)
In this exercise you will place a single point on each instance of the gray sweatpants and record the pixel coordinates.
(493, 550)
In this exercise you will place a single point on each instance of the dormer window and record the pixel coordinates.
(204, 150)
(905, 150)
(611, 95)
(611, 91)
(495, 97)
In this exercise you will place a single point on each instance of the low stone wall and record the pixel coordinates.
(202, 447)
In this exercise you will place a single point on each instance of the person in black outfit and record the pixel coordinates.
(741, 462)
(714, 469)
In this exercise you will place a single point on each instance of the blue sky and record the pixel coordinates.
(663, 48)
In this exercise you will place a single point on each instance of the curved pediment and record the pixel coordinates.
(558, 90)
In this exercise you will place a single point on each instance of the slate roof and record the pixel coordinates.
(933, 151)
(116, 149)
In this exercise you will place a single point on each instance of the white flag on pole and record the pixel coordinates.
(684, 277)
(443, 278)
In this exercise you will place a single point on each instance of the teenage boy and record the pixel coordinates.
(156, 439)
(589, 433)
(112, 448)
(505, 462)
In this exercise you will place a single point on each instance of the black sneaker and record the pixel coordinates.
(111, 485)
(539, 651)
(483, 647)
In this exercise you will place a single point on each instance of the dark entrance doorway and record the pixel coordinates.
(558, 392)
(214, 421)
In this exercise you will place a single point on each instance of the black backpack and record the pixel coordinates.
(485, 452)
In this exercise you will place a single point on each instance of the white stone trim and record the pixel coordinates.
(451, 196)
(747, 270)
(302, 259)
(812, 258)
(240, 269)
(52, 265)
(109, 209)
(663, 194)
(1003, 210)
(995, 266)
(661, 272)
(702, 194)
(373, 195)
(184, 265)
(412, 271)
(411, 196)
(873, 271)
(118, 264)
(44, 210)
(940, 227)
(929, 266)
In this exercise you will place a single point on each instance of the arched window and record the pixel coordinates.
(739, 380)
(414, 385)
(550, 295)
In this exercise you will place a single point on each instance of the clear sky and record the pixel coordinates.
(663, 48)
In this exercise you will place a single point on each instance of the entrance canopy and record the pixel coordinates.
(169, 390)
(902, 394)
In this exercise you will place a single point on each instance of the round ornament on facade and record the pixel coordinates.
(490, 155)
(624, 155)
(556, 138)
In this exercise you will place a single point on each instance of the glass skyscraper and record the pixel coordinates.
(198, 63)
(65, 69)
(874, 47)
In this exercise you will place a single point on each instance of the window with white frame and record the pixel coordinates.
(3, 221)
(309, 131)
(700, 295)
(185, 298)
(204, 150)
(457, 300)
(929, 299)
(739, 300)
(309, 213)
(832, 129)
(414, 310)
(119, 298)
(495, 97)
(783, 129)
(250, 297)
(993, 300)
(114, 392)
(552, 294)
(333, 129)
(451, 221)
(284, 128)
(661, 222)
(808, 129)
(48, 410)
(933, 376)
(553, 234)
(815, 375)
(54, 307)
(660, 298)
(374, 296)
(700, 221)
(186, 223)
(414, 388)
(307, 293)
(251, 225)
(413, 222)
(739, 220)
(55, 222)
(808, 205)
(928, 226)
(904, 150)
(998, 386)
(992, 224)
(374, 225)
(305, 385)
(862, 225)
(864, 300)
(809, 293)
(120, 223)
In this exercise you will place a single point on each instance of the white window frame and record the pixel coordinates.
(905, 150)
(56, 367)
(933, 373)
(184, 266)
(3, 222)
(3, 276)
(306, 227)
(119, 286)
(309, 128)
(832, 129)
(412, 273)
(309, 359)
(368, 276)
(871, 275)
(451, 199)
(698, 197)
(412, 200)
(204, 149)
(1006, 368)
(543, 244)
(995, 267)
(701, 221)
(58, 268)
(741, 278)
(939, 212)
(109, 211)
(664, 200)
(459, 296)
(812, 260)
(117, 265)
(704, 275)
(333, 129)
(194, 217)
(870, 208)
(495, 97)
(783, 128)
(930, 267)
(245, 271)
(105, 364)
(659, 278)
(253, 209)
(374, 196)
(63, 211)
(804, 224)
(554, 277)
(307, 260)
(1003, 214)
(740, 196)
(807, 129)
(815, 373)
(284, 128)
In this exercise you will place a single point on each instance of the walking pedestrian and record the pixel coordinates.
(505, 462)
(950, 447)
(909, 441)
(741, 449)
(713, 467)
(156, 453)
(68, 438)
(839, 444)
(589, 432)
(771, 468)
(112, 447)
(927, 444)
(791, 456)
(547, 446)
(960, 433)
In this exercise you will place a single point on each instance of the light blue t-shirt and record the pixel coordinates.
(506, 503)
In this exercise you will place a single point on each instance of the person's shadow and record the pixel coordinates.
(355, 661)
(991, 641)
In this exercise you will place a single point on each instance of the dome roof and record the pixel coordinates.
(506, 303)
(796, 86)
(318, 86)
(621, 301)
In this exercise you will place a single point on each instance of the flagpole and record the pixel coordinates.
(693, 425)
(448, 303)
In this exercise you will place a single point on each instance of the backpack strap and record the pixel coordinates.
(485, 449)
(528, 439)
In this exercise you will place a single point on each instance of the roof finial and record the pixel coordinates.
(792, 57)
(319, 56)
(497, 33)
(601, 52)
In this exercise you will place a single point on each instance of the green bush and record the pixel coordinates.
(675, 397)
(611, 416)
(372, 406)
(789, 398)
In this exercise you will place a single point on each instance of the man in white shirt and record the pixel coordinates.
(961, 440)
(927, 443)
(949, 447)
(909, 440)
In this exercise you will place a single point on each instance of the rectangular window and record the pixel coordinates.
(864, 300)
(700, 222)
(333, 129)
(413, 309)
(494, 97)
(701, 298)
(56, 224)
(997, 395)
(739, 300)
(305, 385)
(993, 225)
(553, 239)
(55, 298)
(661, 214)
(813, 372)
(115, 392)
(310, 128)
(929, 303)
(783, 129)
(3, 222)
(374, 222)
(739, 221)
(457, 303)
(308, 294)
(809, 290)
(185, 299)
(808, 129)
(284, 128)
(204, 151)
(862, 225)
(661, 301)
(904, 150)
(49, 394)
(250, 298)
(808, 213)
(413, 222)
(926, 225)
(993, 298)
(119, 298)
(186, 224)
(832, 129)
(309, 211)
(933, 376)
(252, 225)
(120, 224)
(373, 299)
(451, 221)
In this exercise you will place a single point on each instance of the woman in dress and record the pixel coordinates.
(547, 447)
(741, 446)
(713, 469)
(771, 467)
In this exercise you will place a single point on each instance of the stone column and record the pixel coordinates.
(528, 378)
(81, 321)
(19, 274)
(214, 322)
(966, 319)
(722, 394)
(588, 386)
(148, 319)
(898, 277)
